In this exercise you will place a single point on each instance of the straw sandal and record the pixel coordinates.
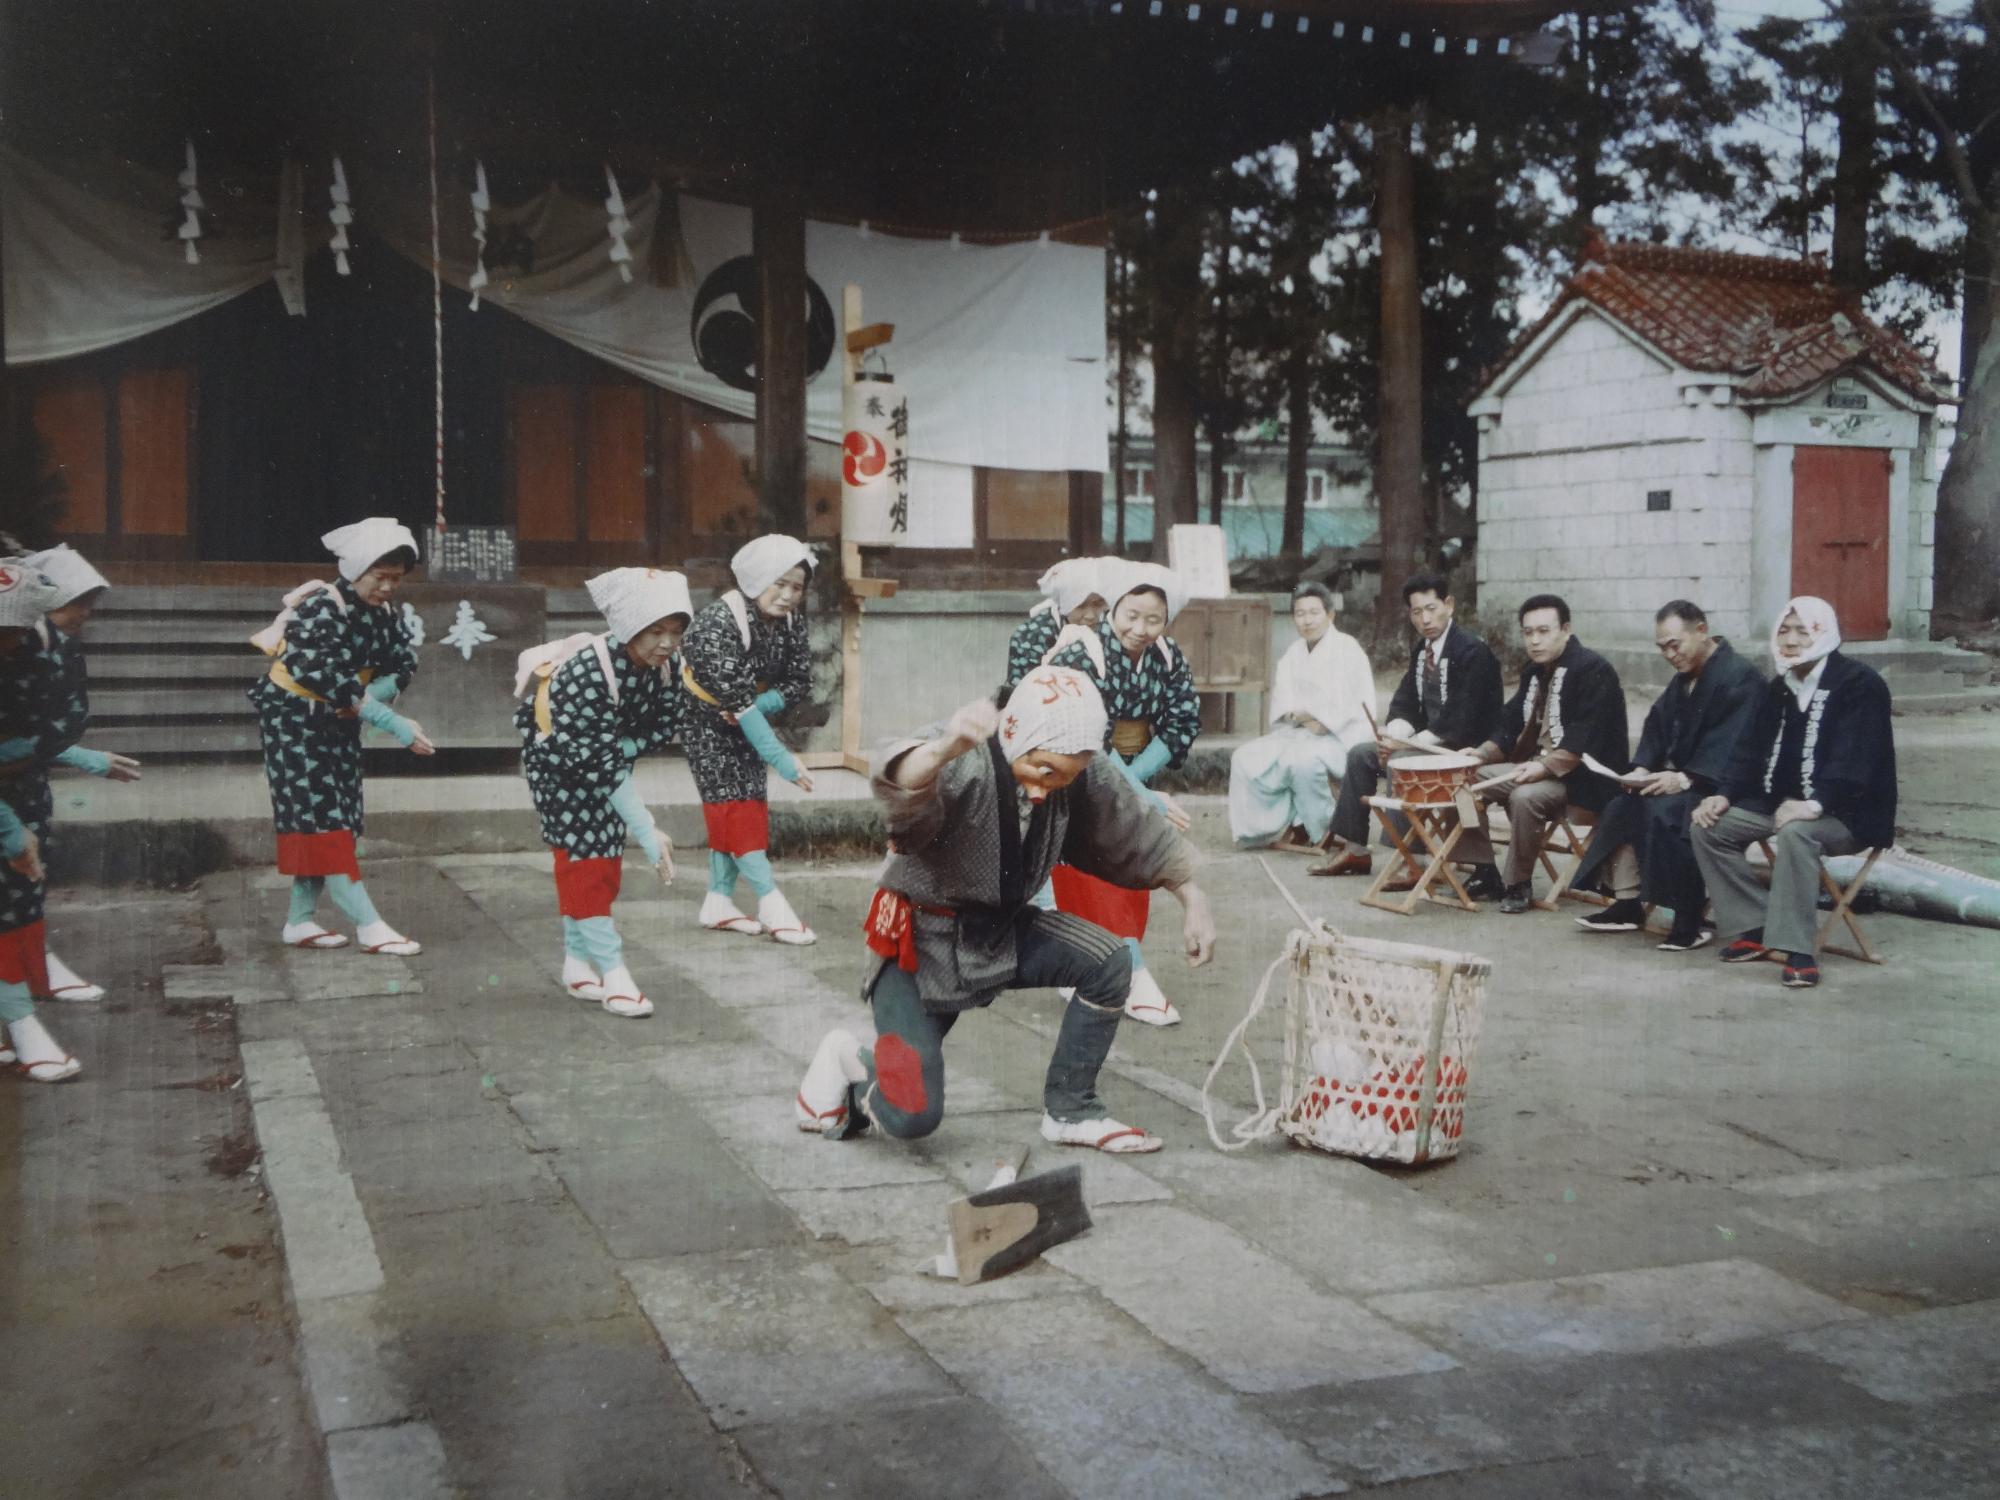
(1105, 1135)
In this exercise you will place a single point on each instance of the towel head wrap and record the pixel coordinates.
(633, 598)
(759, 564)
(362, 544)
(68, 570)
(1054, 709)
(1818, 618)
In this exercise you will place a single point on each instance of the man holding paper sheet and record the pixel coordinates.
(1448, 700)
(1569, 705)
(1691, 732)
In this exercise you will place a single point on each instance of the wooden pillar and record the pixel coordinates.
(1399, 467)
(778, 241)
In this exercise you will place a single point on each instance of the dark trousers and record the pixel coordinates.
(1363, 775)
(1660, 833)
(904, 1091)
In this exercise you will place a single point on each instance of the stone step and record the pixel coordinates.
(206, 700)
(135, 666)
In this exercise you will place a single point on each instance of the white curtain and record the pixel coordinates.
(1000, 349)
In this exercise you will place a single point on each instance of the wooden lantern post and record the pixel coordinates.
(858, 339)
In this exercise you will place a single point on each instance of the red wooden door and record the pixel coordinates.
(1840, 535)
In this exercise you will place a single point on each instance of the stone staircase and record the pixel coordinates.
(170, 667)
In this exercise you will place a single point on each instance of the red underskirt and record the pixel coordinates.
(24, 958)
(1120, 912)
(737, 827)
(586, 888)
(318, 854)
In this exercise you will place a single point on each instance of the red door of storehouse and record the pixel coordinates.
(1840, 535)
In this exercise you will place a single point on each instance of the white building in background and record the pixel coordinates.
(1724, 428)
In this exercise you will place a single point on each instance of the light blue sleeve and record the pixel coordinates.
(764, 739)
(22, 747)
(1150, 761)
(1129, 770)
(374, 711)
(629, 805)
(383, 689)
(628, 747)
(13, 833)
(96, 762)
(770, 701)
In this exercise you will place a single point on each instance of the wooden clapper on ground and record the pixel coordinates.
(1011, 1221)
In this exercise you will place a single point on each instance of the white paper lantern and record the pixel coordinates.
(875, 460)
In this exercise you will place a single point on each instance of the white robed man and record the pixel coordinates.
(1281, 784)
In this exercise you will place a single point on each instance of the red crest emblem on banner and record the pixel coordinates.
(863, 458)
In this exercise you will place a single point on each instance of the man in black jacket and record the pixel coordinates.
(1691, 734)
(1449, 697)
(1816, 775)
(1569, 705)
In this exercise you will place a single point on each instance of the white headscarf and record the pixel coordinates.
(1818, 617)
(362, 544)
(1117, 578)
(759, 564)
(26, 593)
(1054, 709)
(67, 569)
(633, 598)
(1068, 583)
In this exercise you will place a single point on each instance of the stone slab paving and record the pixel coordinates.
(1613, 1312)
(1249, 1319)
(735, 1323)
(1110, 1411)
(1917, 1359)
(610, 1264)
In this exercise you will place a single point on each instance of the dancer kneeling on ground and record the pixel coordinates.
(978, 814)
(341, 653)
(1281, 784)
(25, 806)
(747, 658)
(593, 704)
(1815, 774)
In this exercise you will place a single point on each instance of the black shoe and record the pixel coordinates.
(1801, 971)
(1517, 899)
(1619, 916)
(1484, 884)
(1683, 938)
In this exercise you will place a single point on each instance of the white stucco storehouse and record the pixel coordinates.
(1724, 428)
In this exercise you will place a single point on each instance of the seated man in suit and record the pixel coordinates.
(1569, 705)
(1690, 736)
(1449, 697)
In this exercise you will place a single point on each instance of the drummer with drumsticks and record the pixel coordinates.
(1449, 699)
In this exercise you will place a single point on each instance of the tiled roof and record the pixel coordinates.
(1782, 326)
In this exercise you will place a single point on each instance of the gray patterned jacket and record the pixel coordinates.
(959, 848)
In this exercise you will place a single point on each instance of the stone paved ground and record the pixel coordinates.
(315, 1223)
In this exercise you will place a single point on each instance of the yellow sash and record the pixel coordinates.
(284, 679)
(1130, 736)
(687, 681)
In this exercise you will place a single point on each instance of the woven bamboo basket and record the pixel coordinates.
(1379, 1046)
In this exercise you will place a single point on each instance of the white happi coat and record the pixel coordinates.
(1281, 779)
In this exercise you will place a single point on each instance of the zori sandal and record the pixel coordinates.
(1100, 1135)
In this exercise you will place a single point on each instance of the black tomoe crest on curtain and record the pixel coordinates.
(724, 324)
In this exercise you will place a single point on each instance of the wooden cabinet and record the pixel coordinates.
(1228, 647)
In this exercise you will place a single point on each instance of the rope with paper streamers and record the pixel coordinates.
(617, 226)
(340, 214)
(437, 289)
(482, 200)
(190, 230)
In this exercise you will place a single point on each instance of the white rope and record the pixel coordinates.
(1263, 1120)
(437, 291)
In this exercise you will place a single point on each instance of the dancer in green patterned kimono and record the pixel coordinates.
(1070, 596)
(1148, 691)
(748, 656)
(27, 712)
(341, 653)
(78, 588)
(591, 706)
